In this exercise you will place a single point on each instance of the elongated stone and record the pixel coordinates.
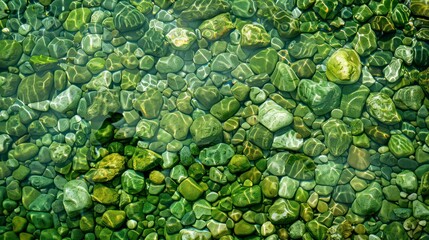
(219, 154)
(353, 100)
(217, 27)
(365, 41)
(337, 136)
(382, 108)
(246, 196)
(284, 77)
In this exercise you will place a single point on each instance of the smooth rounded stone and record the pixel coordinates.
(246, 196)
(25, 151)
(177, 124)
(344, 66)
(288, 139)
(243, 228)
(243, 8)
(59, 152)
(400, 146)
(181, 38)
(264, 61)
(105, 102)
(317, 229)
(169, 64)
(420, 210)
(207, 96)
(107, 168)
(391, 193)
(344, 194)
(40, 220)
(76, 197)
(127, 18)
(149, 103)
(216, 155)
(225, 109)
(260, 136)
(216, 27)
(206, 130)
(353, 100)
(105, 195)
(202, 56)
(288, 187)
(407, 181)
(217, 229)
(284, 77)
(194, 234)
(284, 211)
(358, 158)
(381, 106)
(113, 218)
(409, 97)
(153, 42)
(103, 79)
(254, 36)
(321, 97)
(11, 53)
(9, 84)
(14, 126)
(67, 100)
(202, 10)
(304, 68)
(424, 185)
(394, 230)
(400, 14)
(313, 147)
(420, 8)
(393, 71)
(368, 201)
(78, 74)
(405, 53)
(36, 87)
(296, 166)
(421, 54)
(58, 47)
(91, 43)
(337, 136)
(144, 159)
(190, 189)
(273, 116)
(5, 142)
(43, 63)
(132, 182)
(76, 19)
(224, 62)
(270, 186)
(365, 40)
(328, 174)
(238, 163)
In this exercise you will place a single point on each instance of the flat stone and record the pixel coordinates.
(219, 154)
(76, 19)
(246, 196)
(358, 158)
(273, 116)
(67, 100)
(177, 124)
(206, 129)
(190, 189)
(144, 160)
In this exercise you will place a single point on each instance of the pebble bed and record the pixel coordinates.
(214, 119)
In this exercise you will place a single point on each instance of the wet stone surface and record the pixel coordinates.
(214, 119)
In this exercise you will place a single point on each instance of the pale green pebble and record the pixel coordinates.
(257, 95)
(146, 62)
(407, 181)
(181, 38)
(42, 106)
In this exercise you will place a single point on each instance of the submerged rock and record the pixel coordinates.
(344, 66)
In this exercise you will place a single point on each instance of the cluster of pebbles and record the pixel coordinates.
(214, 119)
